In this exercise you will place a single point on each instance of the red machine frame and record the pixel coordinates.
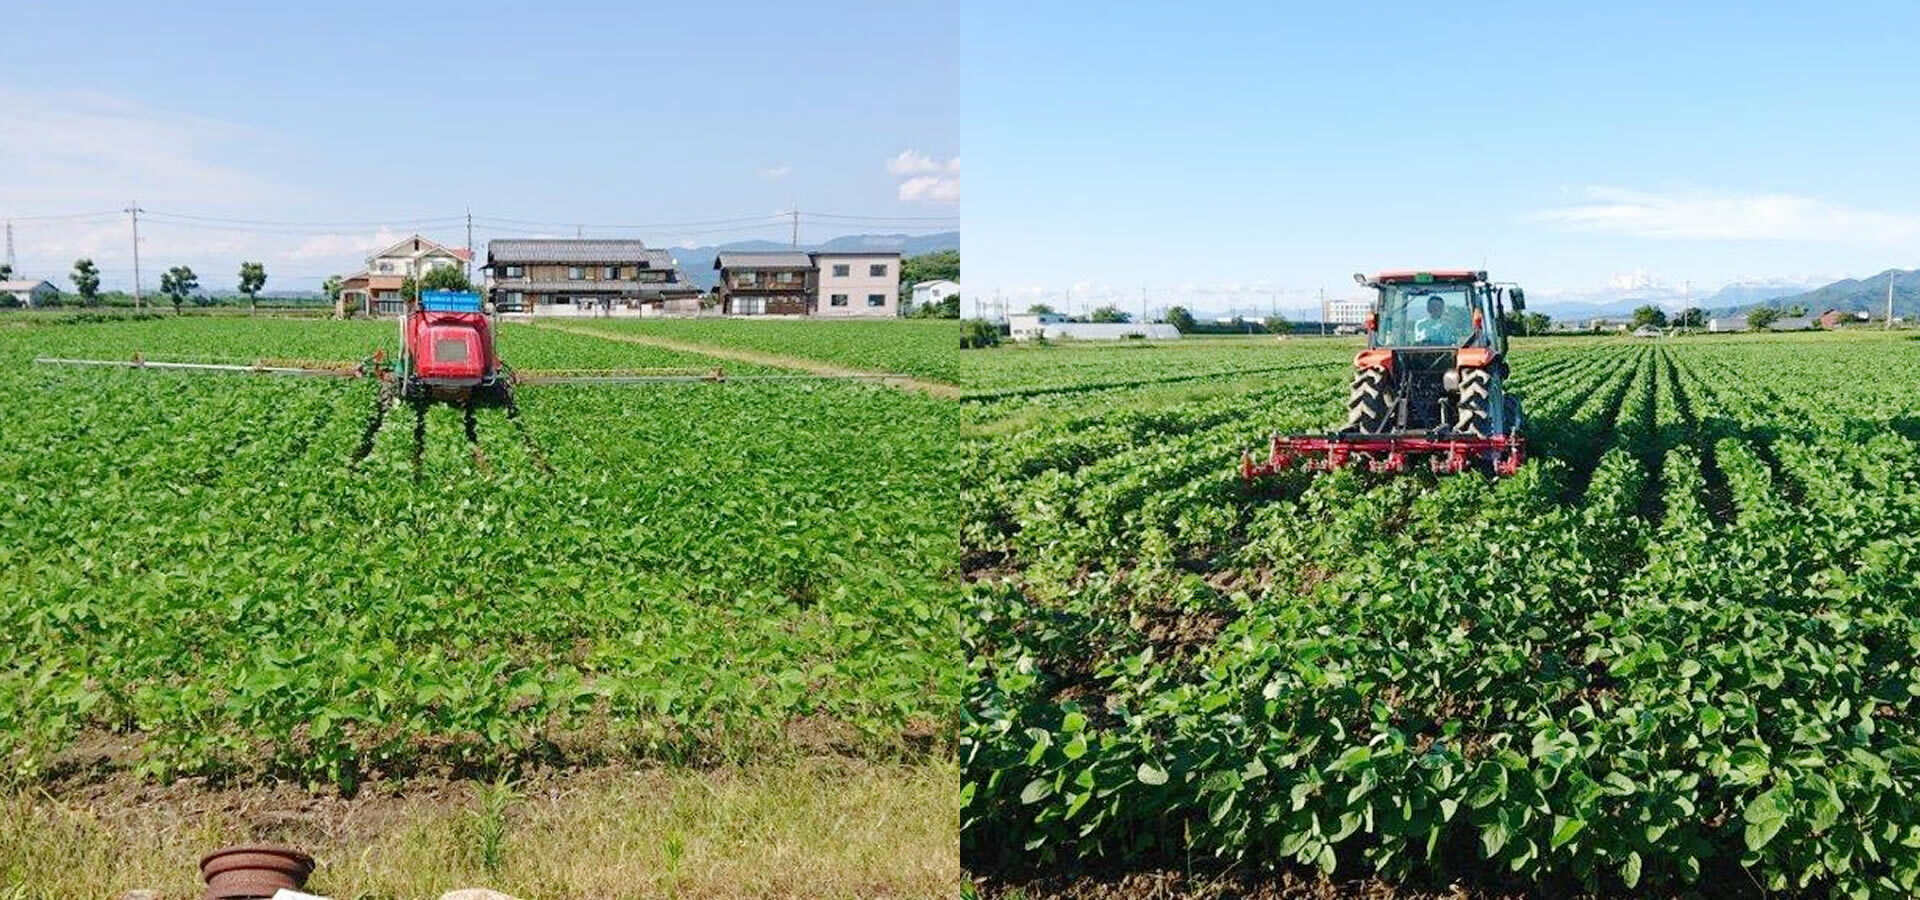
(1383, 453)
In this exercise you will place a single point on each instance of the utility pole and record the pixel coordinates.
(133, 210)
(1889, 292)
(466, 266)
(9, 245)
(579, 231)
(1323, 311)
(1143, 304)
(796, 226)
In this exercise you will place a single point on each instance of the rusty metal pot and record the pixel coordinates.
(253, 871)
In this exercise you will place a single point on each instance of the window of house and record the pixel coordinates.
(575, 273)
(876, 299)
(838, 300)
(749, 306)
(877, 270)
(787, 277)
(516, 300)
(386, 266)
(746, 278)
(612, 272)
(515, 271)
(656, 276)
(841, 270)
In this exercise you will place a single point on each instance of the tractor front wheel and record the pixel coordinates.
(1476, 403)
(1370, 404)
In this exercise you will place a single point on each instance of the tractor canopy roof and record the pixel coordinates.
(1430, 275)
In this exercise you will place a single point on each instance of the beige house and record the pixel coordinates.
(376, 288)
(857, 283)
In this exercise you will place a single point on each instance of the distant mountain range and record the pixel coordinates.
(1853, 295)
(696, 263)
(1622, 303)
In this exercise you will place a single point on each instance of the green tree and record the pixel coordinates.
(978, 333)
(1536, 323)
(1760, 317)
(1040, 309)
(177, 284)
(1796, 310)
(1277, 324)
(440, 278)
(1691, 317)
(1108, 313)
(950, 307)
(253, 277)
(6, 272)
(941, 265)
(86, 280)
(1650, 315)
(1179, 318)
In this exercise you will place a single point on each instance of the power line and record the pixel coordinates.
(952, 218)
(108, 213)
(226, 220)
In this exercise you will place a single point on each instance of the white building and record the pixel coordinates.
(857, 283)
(933, 293)
(1347, 312)
(30, 293)
(1027, 326)
(1111, 331)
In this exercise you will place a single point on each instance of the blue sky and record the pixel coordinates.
(1221, 155)
(348, 119)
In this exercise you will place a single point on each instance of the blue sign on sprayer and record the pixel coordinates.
(450, 301)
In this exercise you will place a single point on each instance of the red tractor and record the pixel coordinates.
(1431, 382)
(447, 353)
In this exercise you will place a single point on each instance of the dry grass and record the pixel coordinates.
(824, 828)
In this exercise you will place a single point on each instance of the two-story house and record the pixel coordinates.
(376, 288)
(857, 283)
(760, 283)
(581, 275)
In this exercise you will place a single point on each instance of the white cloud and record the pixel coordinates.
(775, 173)
(930, 179)
(78, 148)
(1730, 216)
(334, 246)
(931, 189)
(913, 162)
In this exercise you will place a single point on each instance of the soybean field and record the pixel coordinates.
(1676, 650)
(245, 576)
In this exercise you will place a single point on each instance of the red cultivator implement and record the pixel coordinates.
(1431, 383)
(1326, 452)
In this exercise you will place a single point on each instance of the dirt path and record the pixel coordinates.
(759, 358)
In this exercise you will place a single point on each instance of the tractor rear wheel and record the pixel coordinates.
(1370, 403)
(1476, 403)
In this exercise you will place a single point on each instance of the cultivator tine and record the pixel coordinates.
(1395, 460)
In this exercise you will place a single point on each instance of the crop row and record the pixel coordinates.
(1676, 645)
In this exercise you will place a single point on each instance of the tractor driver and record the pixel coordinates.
(1434, 329)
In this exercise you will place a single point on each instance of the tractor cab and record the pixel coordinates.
(1426, 334)
(1416, 310)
